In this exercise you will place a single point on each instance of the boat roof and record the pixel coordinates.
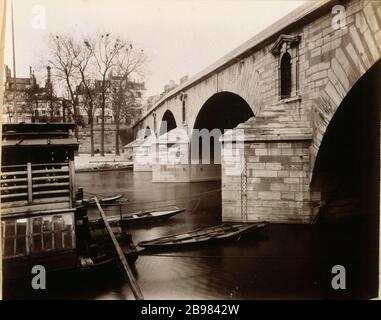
(38, 127)
(39, 135)
(46, 142)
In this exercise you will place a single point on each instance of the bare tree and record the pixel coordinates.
(105, 50)
(130, 61)
(61, 58)
(83, 62)
(85, 66)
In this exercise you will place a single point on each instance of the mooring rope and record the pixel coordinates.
(187, 198)
(179, 198)
(220, 257)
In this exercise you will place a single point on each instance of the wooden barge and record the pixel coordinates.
(40, 221)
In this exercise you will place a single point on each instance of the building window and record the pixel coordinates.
(52, 233)
(286, 51)
(154, 122)
(183, 111)
(285, 75)
(183, 99)
(14, 238)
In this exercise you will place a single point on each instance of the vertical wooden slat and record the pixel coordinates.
(15, 239)
(71, 181)
(27, 237)
(30, 186)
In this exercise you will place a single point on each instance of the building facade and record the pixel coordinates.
(35, 103)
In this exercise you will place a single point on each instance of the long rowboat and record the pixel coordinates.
(145, 216)
(223, 231)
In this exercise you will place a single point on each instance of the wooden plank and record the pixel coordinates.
(37, 213)
(12, 204)
(13, 180)
(15, 173)
(52, 200)
(122, 259)
(30, 183)
(50, 177)
(48, 133)
(29, 209)
(13, 166)
(14, 187)
(53, 184)
(50, 164)
(51, 192)
(50, 171)
(39, 127)
(7, 196)
(72, 181)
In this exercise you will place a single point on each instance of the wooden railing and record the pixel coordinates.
(35, 184)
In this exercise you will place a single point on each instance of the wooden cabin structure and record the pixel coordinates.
(38, 197)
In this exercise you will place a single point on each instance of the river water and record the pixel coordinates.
(286, 261)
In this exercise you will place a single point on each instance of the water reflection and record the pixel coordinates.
(287, 261)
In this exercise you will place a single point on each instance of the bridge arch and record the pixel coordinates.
(221, 112)
(167, 123)
(346, 169)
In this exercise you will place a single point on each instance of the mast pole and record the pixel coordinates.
(14, 68)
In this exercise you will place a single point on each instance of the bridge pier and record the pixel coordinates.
(141, 150)
(171, 157)
(266, 175)
(172, 161)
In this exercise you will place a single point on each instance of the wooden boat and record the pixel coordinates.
(40, 223)
(109, 199)
(105, 168)
(151, 215)
(144, 216)
(201, 235)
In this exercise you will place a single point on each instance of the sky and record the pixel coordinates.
(179, 37)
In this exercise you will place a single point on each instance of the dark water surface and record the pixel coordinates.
(287, 261)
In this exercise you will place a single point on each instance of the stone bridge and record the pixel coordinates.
(302, 96)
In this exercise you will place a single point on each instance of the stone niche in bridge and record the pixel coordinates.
(265, 171)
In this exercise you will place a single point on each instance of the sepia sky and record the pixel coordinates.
(180, 37)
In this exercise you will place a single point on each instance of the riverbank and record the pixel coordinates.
(84, 162)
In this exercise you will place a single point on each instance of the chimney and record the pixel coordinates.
(48, 74)
(8, 75)
(48, 84)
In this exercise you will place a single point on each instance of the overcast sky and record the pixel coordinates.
(180, 37)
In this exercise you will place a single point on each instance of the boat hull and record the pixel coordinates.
(134, 218)
(151, 218)
(200, 236)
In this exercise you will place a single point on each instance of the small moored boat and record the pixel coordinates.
(145, 216)
(151, 215)
(109, 199)
(201, 235)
